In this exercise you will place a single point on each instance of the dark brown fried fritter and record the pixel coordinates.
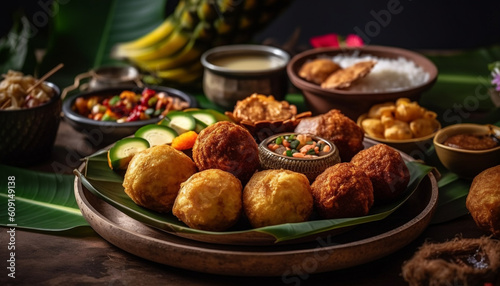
(386, 169)
(342, 190)
(337, 128)
(228, 147)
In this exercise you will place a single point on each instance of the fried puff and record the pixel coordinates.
(341, 191)
(277, 196)
(229, 147)
(154, 176)
(209, 200)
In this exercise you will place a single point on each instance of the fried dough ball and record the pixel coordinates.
(483, 200)
(386, 169)
(209, 200)
(377, 110)
(318, 70)
(154, 176)
(398, 130)
(373, 127)
(337, 128)
(345, 77)
(229, 147)
(274, 197)
(342, 190)
(423, 126)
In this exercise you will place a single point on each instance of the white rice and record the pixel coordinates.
(388, 75)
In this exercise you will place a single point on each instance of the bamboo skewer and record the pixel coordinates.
(6, 103)
(44, 77)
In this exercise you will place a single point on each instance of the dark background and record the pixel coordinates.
(418, 24)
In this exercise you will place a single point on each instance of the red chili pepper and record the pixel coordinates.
(146, 95)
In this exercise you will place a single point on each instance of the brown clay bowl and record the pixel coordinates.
(354, 103)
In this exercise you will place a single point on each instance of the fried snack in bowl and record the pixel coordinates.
(264, 116)
(342, 190)
(403, 124)
(227, 146)
(337, 128)
(343, 78)
(154, 176)
(386, 169)
(318, 70)
(209, 200)
(274, 197)
(483, 200)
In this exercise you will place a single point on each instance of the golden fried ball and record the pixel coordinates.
(209, 200)
(342, 190)
(277, 196)
(229, 147)
(386, 169)
(483, 200)
(154, 176)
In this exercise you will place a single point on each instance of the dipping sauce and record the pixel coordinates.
(471, 141)
(248, 62)
(299, 146)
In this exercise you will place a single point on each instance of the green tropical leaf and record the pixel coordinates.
(106, 184)
(14, 47)
(85, 32)
(36, 200)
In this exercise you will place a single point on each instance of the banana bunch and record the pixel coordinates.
(172, 51)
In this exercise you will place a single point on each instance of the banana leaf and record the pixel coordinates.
(84, 33)
(40, 201)
(107, 184)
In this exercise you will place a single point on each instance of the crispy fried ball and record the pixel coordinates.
(229, 147)
(277, 196)
(209, 200)
(483, 200)
(338, 128)
(386, 169)
(342, 190)
(154, 176)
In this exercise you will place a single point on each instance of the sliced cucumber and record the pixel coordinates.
(156, 134)
(218, 116)
(203, 116)
(122, 152)
(199, 126)
(181, 121)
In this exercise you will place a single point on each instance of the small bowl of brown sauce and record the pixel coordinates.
(467, 149)
(303, 153)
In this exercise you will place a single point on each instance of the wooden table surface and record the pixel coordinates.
(81, 257)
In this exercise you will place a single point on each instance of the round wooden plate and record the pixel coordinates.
(362, 244)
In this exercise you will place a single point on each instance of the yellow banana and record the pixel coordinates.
(150, 39)
(189, 53)
(182, 74)
(169, 46)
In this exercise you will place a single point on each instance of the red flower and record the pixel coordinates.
(328, 40)
(334, 40)
(353, 40)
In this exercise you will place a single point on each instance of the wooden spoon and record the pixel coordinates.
(44, 77)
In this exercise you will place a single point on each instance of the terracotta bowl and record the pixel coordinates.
(102, 133)
(415, 147)
(466, 163)
(353, 103)
(311, 167)
(27, 135)
(224, 86)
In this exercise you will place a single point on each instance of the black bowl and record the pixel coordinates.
(27, 135)
(101, 133)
